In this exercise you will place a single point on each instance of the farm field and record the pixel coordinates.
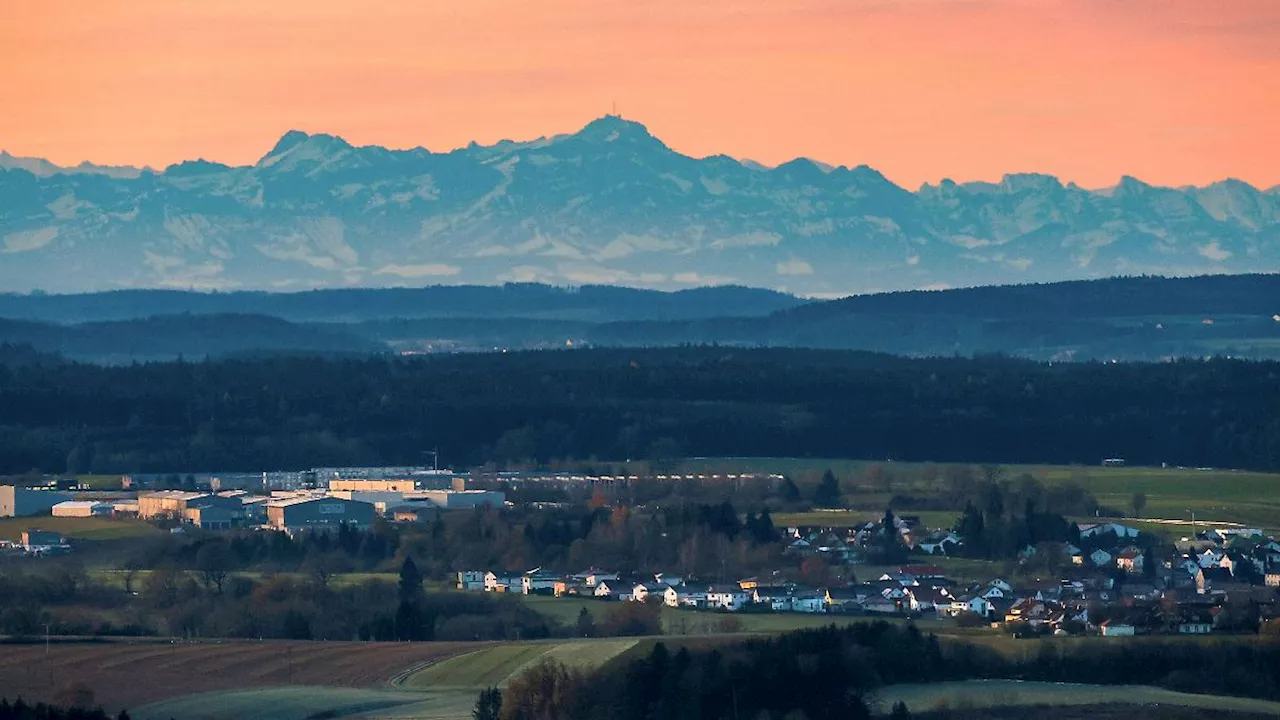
(299, 703)
(77, 528)
(129, 675)
(1215, 495)
(493, 666)
(1005, 693)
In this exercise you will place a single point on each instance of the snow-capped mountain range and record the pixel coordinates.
(610, 204)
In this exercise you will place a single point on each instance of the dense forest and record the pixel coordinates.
(534, 407)
(834, 673)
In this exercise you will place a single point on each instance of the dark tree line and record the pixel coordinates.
(281, 413)
(834, 672)
(19, 710)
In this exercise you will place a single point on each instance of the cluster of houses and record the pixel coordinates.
(1127, 589)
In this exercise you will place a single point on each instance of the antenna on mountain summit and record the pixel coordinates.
(615, 109)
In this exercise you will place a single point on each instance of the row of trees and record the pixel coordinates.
(285, 412)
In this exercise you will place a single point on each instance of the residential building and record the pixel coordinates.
(1116, 629)
(471, 580)
(1130, 560)
(727, 597)
(539, 583)
(640, 592)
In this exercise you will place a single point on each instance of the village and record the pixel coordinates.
(1222, 580)
(1111, 579)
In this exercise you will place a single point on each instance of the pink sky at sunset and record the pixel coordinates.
(1171, 91)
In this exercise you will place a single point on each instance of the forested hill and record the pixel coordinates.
(270, 413)
(168, 337)
(1134, 318)
(1139, 318)
(1206, 295)
(594, 303)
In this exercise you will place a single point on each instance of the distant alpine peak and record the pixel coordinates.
(615, 128)
(314, 144)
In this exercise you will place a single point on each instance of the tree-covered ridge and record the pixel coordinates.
(282, 413)
(834, 673)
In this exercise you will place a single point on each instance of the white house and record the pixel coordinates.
(493, 582)
(727, 597)
(980, 606)
(684, 596)
(998, 590)
(612, 590)
(641, 591)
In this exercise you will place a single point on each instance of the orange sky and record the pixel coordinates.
(1171, 91)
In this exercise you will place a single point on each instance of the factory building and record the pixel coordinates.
(176, 503)
(459, 499)
(317, 513)
(24, 502)
(81, 508)
(402, 485)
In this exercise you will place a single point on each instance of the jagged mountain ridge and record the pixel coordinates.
(609, 204)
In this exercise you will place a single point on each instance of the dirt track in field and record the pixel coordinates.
(126, 675)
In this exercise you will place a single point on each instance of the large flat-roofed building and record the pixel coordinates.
(317, 513)
(176, 503)
(24, 502)
(459, 499)
(211, 517)
(402, 485)
(81, 508)
(381, 501)
(41, 538)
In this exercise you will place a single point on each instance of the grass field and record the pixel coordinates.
(300, 703)
(1005, 693)
(76, 528)
(1214, 495)
(130, 675)
(493, 666)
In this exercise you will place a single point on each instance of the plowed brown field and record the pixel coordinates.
(126, 675)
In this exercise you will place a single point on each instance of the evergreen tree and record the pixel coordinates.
(488, 705)
(789, 492)
(828, 492)
(586, 624)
